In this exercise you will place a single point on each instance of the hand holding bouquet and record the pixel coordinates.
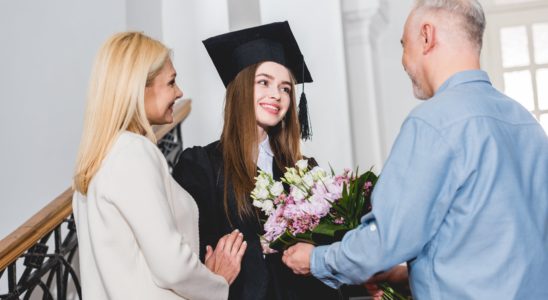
(313, 206)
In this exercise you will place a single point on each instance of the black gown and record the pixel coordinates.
(200, 172)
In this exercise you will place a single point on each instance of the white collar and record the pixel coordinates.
(265, 147)
(265, 157)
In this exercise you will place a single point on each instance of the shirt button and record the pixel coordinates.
(372, 227)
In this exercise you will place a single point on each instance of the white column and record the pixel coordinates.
(362, 21)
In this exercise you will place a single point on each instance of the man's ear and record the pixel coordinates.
(428, 37)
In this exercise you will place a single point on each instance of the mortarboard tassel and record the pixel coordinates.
(304, 119)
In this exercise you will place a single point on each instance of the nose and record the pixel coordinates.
(179, 93)
(275, 93)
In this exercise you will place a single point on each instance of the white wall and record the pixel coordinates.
(47, 48)
(396, 92)
(317, 26)
(146, 16)
(46, 56)
(186, 24)
(243, 14)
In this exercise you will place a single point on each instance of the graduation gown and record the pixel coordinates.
(200, 172)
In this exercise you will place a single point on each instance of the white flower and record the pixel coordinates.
(261, 193)
(262, 181)
(258, 204)
(276, 189)
(308, 179)
(297, 193)
(292, 177)
(302, 164)
(318, 173)
(254, 193)
(268, 206)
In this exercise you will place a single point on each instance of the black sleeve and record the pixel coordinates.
(194, 172)
(311, 161)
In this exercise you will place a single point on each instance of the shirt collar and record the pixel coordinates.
(265, 147)
(463, 77)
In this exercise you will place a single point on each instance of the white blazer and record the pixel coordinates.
(138, 230)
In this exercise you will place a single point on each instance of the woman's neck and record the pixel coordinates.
(261, 134)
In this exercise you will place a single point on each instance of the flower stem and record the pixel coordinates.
(389, 293)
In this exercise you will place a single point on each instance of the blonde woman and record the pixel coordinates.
(137, 228)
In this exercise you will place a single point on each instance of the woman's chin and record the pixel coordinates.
(168, 119)
(161, 122)
(267, 124)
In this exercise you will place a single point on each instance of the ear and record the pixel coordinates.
(428, 37)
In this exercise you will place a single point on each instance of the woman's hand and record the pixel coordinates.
(226, 259)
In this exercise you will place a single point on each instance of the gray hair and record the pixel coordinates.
(470, 11)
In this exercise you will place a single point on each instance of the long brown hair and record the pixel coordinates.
(239, 140)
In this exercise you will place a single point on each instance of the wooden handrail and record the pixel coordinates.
(49, 217)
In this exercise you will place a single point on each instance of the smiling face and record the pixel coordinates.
(161, 94)
(272, 94)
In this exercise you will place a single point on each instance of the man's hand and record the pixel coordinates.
(397, 276)
(297, 258)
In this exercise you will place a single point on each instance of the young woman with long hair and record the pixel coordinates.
(137, 228)
(259, 67)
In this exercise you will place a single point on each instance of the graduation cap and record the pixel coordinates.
(232, 52)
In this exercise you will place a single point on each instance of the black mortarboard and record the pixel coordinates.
(232, 52)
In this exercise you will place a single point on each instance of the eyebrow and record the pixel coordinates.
(173, 75)
(401, 42)
(271, 77)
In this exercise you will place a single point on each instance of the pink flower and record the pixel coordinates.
(297, 193)
(367, 186)
(289, 200)
(303, 224)
(317, 206)
(339, 220)
(275, 224)
(280, 199)
(329, 189)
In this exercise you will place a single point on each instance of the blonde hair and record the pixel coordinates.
(124, 66)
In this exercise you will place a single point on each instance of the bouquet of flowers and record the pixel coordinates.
(319, 208)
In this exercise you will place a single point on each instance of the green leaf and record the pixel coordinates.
(327, 233)
(332, 171)
(345, 191)
(339, 209)
(287, 240)
(283, 242)
(328, 228)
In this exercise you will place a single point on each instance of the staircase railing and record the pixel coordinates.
(45, 248)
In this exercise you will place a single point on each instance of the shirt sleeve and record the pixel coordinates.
(410, 199)
(139, 193)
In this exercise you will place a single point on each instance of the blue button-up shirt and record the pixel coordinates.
(463, 198)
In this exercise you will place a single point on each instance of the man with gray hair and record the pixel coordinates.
(463, 196)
